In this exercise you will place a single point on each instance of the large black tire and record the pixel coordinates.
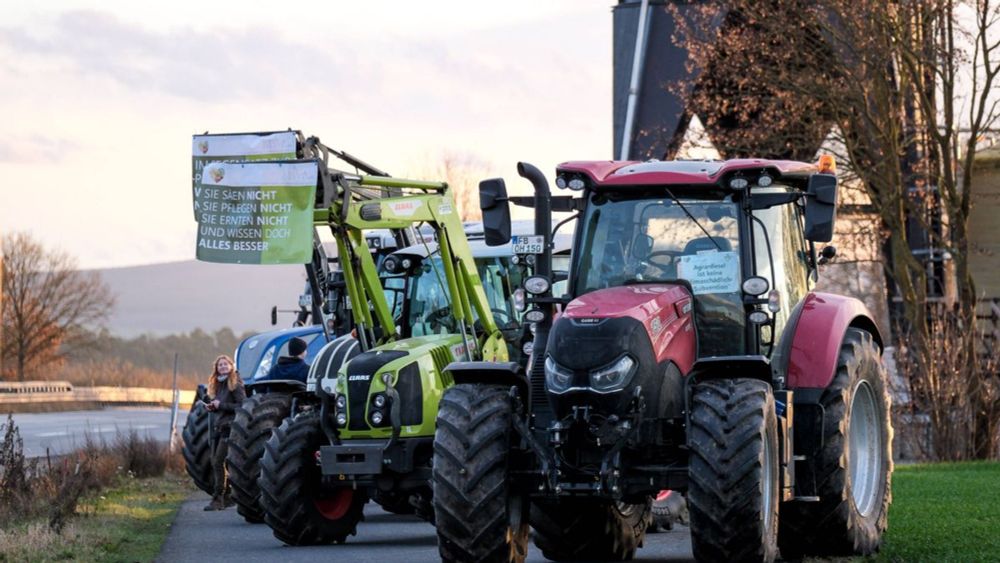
(472, 503)
(197, 446)
(848, 519)
(572, 530)
(251, 428)
(733, 472)
(296, 506)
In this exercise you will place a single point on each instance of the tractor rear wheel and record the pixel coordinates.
(590, 531)
(478, 520)
(299, 510)
(197, 446)
(733, 471)
(251, 428)
(852, 473)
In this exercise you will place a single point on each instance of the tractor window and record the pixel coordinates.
(494, 273)
(630, 241)
(430, 304)
(791, 275)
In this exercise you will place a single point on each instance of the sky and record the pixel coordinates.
(98, 101)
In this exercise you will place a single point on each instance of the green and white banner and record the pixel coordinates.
(256, 212)
(240, 147)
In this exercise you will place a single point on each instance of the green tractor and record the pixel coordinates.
(323, 304)
(367, 431)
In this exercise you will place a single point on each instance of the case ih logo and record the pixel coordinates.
(359, 377)
(588, 321)
(203, 146)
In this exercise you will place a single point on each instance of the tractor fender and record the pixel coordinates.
(493, 373)
(815, 332)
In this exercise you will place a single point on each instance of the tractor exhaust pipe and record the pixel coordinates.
(543, 267)
(543, 215)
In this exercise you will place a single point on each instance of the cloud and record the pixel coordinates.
(34, 149)
(220, 65)
(481, 71)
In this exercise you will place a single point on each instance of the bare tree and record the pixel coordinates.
(907, 86)
(463, 172)
(48, 305)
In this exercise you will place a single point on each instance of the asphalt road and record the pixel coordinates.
(61, 432)
(224, 536)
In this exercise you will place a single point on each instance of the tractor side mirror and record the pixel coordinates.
(496, 211)
(274, 315)
(821, 207)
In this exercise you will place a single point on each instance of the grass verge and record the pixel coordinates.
(944, 512)
(126, 522)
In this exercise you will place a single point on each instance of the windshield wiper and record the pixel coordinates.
(688, 213)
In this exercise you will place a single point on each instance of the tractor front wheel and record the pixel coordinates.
(853, 470)
(299, 510)
(733, 472)
(478, 520)
(251, 428)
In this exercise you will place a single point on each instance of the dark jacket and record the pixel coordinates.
(228, 401)
(289, 367)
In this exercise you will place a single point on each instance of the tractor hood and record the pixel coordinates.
(663, 311)
(650, 323)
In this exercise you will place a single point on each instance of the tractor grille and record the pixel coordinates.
(442, 357)
(411, 395)
(360, 372)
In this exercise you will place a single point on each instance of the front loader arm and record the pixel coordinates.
(436, 208)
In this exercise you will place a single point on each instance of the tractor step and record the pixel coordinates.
(806, 499)
(798, 458)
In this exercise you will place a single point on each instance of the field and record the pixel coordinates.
(126, 522)
(944, 512)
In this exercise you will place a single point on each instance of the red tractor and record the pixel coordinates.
(690, 354)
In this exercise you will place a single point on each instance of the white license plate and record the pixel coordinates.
(528, 244)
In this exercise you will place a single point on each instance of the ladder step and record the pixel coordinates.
(806, 499)
(798, 458)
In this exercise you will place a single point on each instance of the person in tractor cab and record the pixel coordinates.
(225, 388)
(292, 366)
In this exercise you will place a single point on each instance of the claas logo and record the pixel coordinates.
(203, 146)
(218, 174)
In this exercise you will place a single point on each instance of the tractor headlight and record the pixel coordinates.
(342, 419)
(535, 316)
(379, 401)
(264, 367)
(536, 285)
(557, 378)
(613, 377)
(377, 418)
(341, 402)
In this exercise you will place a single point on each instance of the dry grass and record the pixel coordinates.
(33, 489)
(127, 522)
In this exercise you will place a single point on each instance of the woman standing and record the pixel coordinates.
(226, 390)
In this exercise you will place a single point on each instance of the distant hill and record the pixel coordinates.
(177, 297)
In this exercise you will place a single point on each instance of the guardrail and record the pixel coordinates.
(64, 392)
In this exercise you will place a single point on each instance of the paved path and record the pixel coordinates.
(61, 432)
(224, 536)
